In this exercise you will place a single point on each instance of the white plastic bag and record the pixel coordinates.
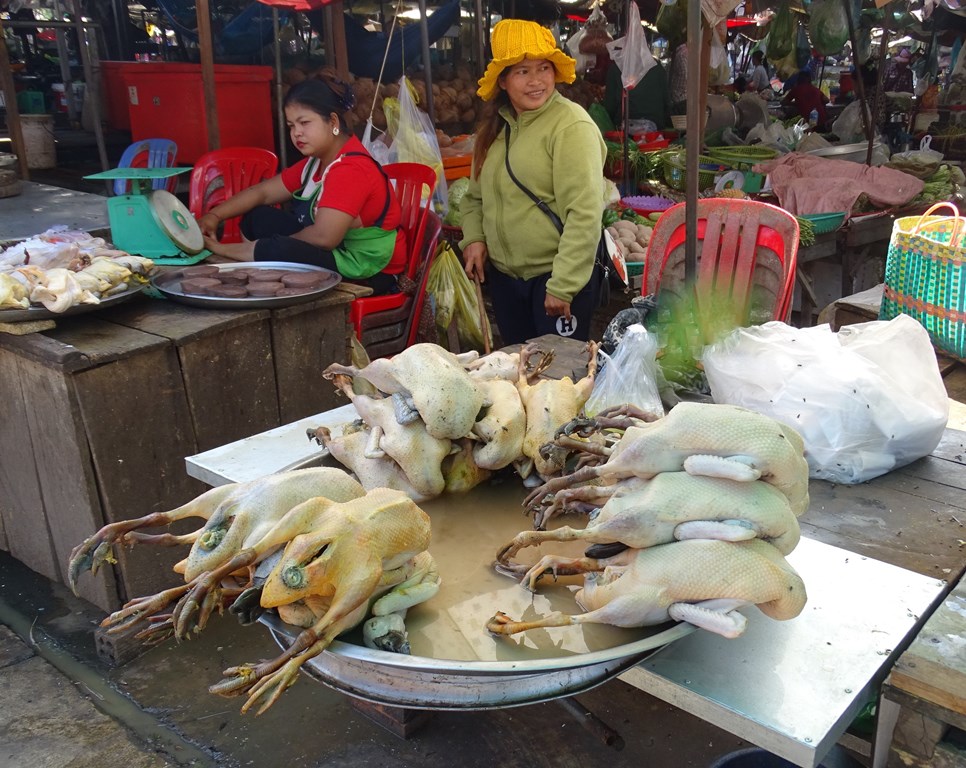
(865, 400)
(631, 52)
(630, 376)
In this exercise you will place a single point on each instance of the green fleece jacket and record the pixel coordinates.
(557, 152)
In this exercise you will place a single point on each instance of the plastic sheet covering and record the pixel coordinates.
(866, 400)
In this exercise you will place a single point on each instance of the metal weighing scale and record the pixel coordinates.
(152, 223)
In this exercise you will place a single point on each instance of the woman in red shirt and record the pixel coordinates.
(343, 216)
(804, 97)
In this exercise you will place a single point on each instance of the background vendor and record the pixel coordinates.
(343, 212)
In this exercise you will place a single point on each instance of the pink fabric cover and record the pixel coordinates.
(806, 184)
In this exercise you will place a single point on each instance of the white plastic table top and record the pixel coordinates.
(791, 687)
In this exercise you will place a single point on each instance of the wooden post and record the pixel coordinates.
(479, 44)
(92, 86)
(13, 112)
(338, 55)
(695, 129)
(282, 148)
(427, 69)
(208, 73)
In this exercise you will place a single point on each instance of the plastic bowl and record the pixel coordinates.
(645, 204)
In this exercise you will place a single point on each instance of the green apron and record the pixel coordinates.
(364, 251)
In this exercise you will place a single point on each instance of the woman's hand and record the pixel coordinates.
(209, 226)
(474, 256)
(555, 307)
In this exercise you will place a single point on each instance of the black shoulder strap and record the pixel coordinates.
(389, 192)
(539, 203)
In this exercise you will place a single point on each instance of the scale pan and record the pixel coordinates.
(176, 221)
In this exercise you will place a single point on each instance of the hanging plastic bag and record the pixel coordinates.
(584, 62)
(414, 141)
(865, 400)
(828, 26)
(781, 33)
(596, 37)
(720, 64)
(455, 300)
(631, 52)
(630, 376)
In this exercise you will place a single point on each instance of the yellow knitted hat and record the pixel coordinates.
(514, 40)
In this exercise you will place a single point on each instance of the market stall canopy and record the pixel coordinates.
(247, 32)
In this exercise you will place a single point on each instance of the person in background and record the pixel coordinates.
(759, 74)
(541, 280)
(678, 79)
(649, 100)
(741, 85)
(344, 214)
(804, 97)
(898, 75)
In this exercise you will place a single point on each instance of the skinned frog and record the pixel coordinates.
(502, 427)
(506, 366)
(714, 440)
(350, 448)
(344, 559)
(460, 469)
(700, 581)
(236, 514)
(550, 403)
(414, 582)
(430, 381)
(411, 446)
(675, 506)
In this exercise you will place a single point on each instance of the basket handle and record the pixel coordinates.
(960, 221)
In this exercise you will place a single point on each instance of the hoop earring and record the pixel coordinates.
(335, 131)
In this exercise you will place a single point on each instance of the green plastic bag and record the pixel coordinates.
(454, 296)
(828, 26)
(599, 115)
(781, 33)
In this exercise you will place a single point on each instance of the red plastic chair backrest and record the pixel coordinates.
(409, 180)
(746, 249)
(221, 173)
(426, 256)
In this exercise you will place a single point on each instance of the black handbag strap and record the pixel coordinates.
(539, 203)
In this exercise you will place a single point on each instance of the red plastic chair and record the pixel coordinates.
(221, 173)
(390, 332)
(409, 180)
(747, 257)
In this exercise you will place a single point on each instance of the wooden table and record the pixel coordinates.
(98, 413)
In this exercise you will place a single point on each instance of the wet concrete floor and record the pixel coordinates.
(155, 710)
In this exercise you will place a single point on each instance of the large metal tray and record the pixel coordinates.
(169, 284)
(418, 682)
(42, 313)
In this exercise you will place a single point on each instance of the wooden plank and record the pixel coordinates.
(181, 323)
(67, 485)
(21, 504)
(306, 339)
(907, 701)
(43, 349)
(887, 519)
(933, 668)
(230, 382)
(101, 342)
(139, 428)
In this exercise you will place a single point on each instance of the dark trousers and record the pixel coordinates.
(519, 312)
(271, 229)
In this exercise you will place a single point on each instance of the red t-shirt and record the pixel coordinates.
(354, 185)
(807, 97)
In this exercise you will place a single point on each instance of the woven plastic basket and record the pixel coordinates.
(742, 158)
(825, 222)
(675, 171)
(925, 276)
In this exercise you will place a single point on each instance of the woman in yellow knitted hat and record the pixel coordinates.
(531, 215)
